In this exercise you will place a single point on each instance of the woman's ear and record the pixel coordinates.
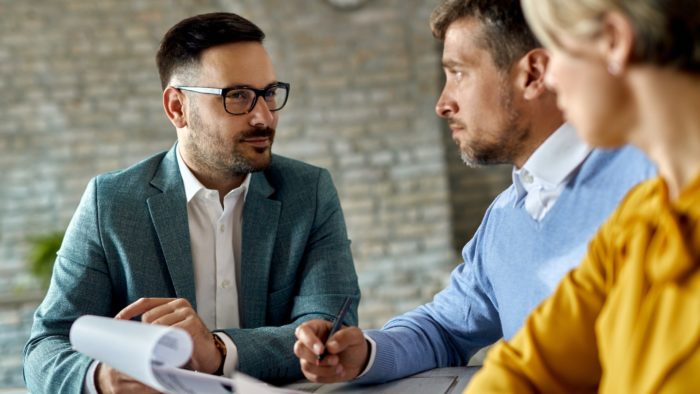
(617, 42)
(531, 69)
(174, 106)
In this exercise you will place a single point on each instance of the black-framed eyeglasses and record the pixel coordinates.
(242, 99)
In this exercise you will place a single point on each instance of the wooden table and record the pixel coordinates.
(439, 381)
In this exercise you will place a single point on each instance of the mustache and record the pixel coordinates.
(454, 122)
(266, 132)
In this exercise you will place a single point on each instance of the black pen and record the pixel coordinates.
(337, 322)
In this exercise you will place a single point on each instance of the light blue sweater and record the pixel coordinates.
(512, 264)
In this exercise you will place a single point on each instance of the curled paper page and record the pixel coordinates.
(153, 355)
(149, 353)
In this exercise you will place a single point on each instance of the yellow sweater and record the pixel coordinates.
(627, 320)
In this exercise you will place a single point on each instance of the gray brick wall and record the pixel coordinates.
(15, 323)
(79, 95)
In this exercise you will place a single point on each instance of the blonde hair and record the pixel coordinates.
(667, 32)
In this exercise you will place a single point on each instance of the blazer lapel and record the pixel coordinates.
(169, 215)
(260, 219)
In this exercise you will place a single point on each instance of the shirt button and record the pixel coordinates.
(221, 228)
(527, 178)
(225, 284)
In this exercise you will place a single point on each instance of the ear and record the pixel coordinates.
(531, 70)
(616, 42)
(174, 106)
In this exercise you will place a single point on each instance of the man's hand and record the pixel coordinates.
(178, 312)
(110, 381)
(347, 352)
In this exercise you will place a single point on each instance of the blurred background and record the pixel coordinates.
(79, 95)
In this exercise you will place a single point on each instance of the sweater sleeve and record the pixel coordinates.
(556, 350)
(459, 321)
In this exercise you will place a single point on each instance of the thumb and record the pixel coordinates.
(345, 338)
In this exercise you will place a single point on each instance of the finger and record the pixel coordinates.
(304, 353)
(318, 327)
(345, 338)
(135, 387)
(321, 373)
(167, 314)
(174, 318)
(123, 383)
(309, 334)
(175, 311)
(141, 306)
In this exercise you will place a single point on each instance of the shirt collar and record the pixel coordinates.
(558, 156)
(193, 185)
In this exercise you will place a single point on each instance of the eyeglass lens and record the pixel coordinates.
(241, 100)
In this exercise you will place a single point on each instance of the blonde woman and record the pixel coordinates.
(628, 319)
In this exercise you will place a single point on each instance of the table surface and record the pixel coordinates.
(440, 380)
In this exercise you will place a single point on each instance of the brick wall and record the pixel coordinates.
(79, 95)
(15, 321)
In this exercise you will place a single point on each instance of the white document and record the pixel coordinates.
(153, 355)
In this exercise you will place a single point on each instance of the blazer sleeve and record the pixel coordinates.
(327, 276)
(79, 285)
(556, 349)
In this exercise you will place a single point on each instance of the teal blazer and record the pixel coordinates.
(129, 238)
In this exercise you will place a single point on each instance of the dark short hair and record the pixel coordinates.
(505, 33)
(184, 43)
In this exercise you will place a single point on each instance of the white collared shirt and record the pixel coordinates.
(215, 239)
(544, 175)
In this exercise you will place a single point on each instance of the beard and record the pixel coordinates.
(503, 144)
(218, 155)
(503, 150)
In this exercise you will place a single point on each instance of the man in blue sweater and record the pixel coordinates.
(499, 111)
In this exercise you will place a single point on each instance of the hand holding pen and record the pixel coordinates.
(329, 352)
(337, 323)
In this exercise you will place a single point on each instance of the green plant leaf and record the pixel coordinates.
(42, 255)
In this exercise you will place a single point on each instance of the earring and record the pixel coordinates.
(614, 68)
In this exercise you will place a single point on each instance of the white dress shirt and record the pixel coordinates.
(544, 175)
(215, 239)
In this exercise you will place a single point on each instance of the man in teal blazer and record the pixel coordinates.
(129, 250)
